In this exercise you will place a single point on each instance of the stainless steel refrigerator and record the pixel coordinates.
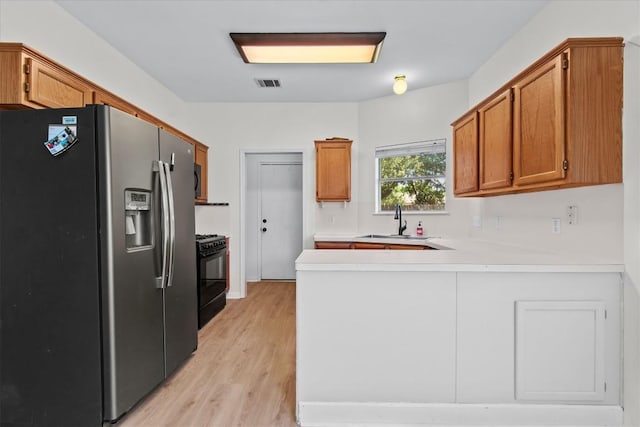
(97, 264)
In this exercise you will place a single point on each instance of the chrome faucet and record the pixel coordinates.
(398, 216)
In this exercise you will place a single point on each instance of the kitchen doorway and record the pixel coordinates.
(273, 188)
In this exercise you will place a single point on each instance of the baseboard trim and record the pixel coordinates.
(233, 295)
(335, 414)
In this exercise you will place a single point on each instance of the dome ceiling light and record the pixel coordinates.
(400, 84)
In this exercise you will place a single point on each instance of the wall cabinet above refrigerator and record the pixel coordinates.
(30, 80)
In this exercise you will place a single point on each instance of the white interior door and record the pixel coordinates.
(280, 219)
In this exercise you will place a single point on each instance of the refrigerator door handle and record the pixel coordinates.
(172, 222)
(164, 213)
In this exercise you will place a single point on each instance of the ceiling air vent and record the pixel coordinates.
(268, 82)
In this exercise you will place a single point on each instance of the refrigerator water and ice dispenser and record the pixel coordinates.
(138, 225)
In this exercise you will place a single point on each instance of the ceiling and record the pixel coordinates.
(186, 46)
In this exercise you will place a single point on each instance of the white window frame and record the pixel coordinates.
(411, 148)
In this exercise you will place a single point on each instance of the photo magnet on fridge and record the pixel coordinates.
(63, 138)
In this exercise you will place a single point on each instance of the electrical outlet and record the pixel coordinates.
(572, 215)
(332, 219)
(477, 221)
(555, 225)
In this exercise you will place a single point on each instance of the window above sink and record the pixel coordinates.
(412, 175)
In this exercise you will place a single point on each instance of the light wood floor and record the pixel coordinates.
(243, 373)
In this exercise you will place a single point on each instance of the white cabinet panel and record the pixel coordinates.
(486, 342)
(485, 362)
(560, 350)
(376, 336)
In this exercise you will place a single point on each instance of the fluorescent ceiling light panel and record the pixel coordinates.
(308, 48)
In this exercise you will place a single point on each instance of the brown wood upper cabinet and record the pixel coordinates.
(201, 153)
(465, 154)
(496, 124)
(538, 135)
(54, 88)
(29, 79)
(557, 124)
(333, 170)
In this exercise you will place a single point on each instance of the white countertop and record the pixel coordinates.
(461, 255)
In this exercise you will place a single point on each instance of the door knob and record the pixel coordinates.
(264, 229)
(264, 221)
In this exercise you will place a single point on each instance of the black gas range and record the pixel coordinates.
(211, 251)
(208, 243)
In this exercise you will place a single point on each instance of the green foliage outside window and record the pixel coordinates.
(416, 182)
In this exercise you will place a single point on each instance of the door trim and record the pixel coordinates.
(307, 212)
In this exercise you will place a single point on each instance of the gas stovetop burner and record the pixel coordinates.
(205, 236)
(207, 244)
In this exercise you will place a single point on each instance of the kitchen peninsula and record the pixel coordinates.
(476, 333)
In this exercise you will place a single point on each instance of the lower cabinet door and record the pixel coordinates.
(560, 350)
(538, 338)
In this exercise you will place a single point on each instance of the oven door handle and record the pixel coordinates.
(159, 166)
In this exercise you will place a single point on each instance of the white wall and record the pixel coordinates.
(631, 154)
(418, 115)
(49, 29)
(225, 128)
(231, 128)
(559, 20)
(526, 218)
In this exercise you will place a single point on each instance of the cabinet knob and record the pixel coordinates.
(264, 229)
(264, 221)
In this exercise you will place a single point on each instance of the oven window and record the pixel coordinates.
(213, 277)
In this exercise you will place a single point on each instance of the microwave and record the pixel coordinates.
(197, 174)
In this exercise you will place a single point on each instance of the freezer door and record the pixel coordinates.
(181, 305)
(50, 349)
(133, 316)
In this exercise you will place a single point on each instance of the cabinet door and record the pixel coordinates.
(496, 141)
(362, 245)
(539, 138)
(333, 171)
(11, 70)
(465, 155)
(50, 87)
(407, 247)
(333, 245)
(538, 337)
(201, 159)
(560, 350)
